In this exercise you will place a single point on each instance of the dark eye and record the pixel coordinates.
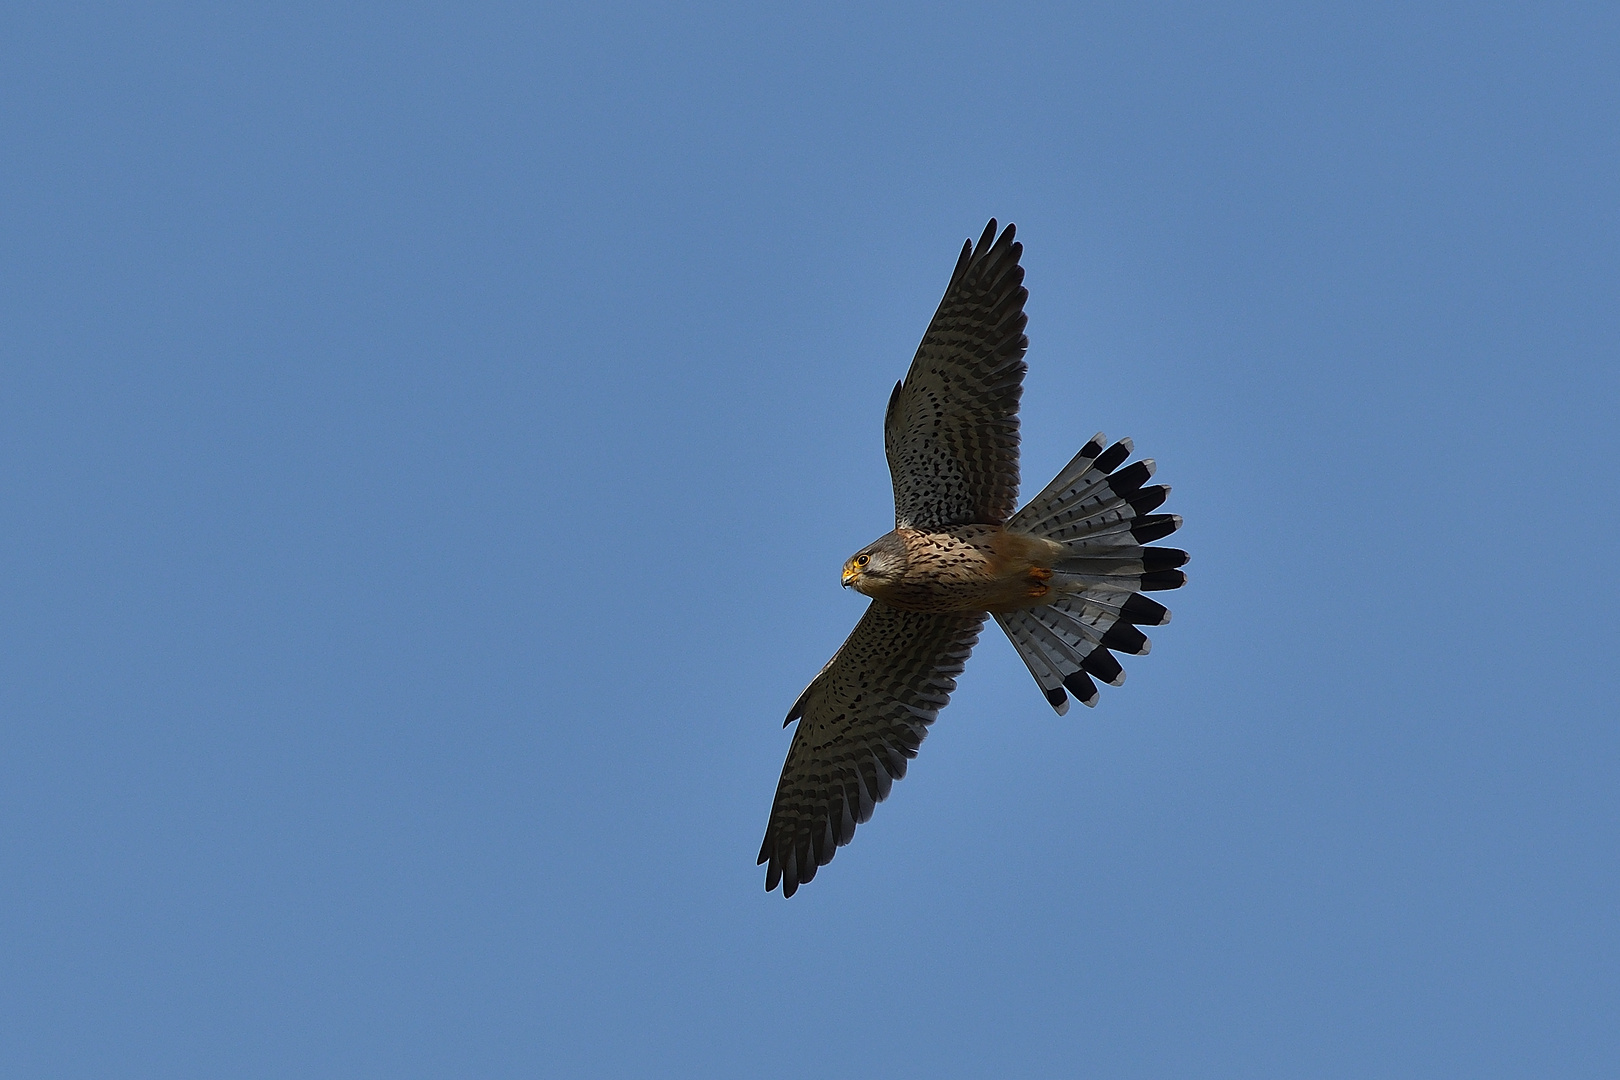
(862, 560)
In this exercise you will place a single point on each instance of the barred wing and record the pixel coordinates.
(951, 431)
(860, 721)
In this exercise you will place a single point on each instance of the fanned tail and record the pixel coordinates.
(1104, 519)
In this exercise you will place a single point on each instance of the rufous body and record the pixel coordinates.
(963, 568)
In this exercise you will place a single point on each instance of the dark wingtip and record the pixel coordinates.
(987, 236)
(1055, 697)
(963, 261)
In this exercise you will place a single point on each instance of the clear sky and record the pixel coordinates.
(429, 438)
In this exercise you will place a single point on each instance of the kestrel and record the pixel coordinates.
(1064, 576)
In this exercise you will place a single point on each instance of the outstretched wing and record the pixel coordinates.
(951, 432)
(860, 721)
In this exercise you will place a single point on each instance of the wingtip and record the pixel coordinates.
(1008, 250)
(988, 235)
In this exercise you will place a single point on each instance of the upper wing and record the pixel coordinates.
(951, 432)
(860, 720)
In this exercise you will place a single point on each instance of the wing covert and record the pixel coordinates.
(860, 720)
(951, 430)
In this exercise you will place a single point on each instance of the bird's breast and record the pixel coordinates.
(971, 568)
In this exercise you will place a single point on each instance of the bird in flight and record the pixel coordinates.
(1064, 576)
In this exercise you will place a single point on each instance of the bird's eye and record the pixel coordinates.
(862, 560)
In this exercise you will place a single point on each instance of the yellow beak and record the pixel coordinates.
(850, 574)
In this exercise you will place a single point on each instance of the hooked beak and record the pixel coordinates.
(850, 574)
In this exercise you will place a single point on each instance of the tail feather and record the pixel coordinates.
(1043, 661)
(1077, 467)
(1103, 517)
(1073, 482)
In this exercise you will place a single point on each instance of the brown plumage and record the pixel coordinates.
(1063, 576)
(977, 568)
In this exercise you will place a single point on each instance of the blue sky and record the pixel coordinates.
(430, 434)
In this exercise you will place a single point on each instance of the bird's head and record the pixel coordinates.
(878, 564)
